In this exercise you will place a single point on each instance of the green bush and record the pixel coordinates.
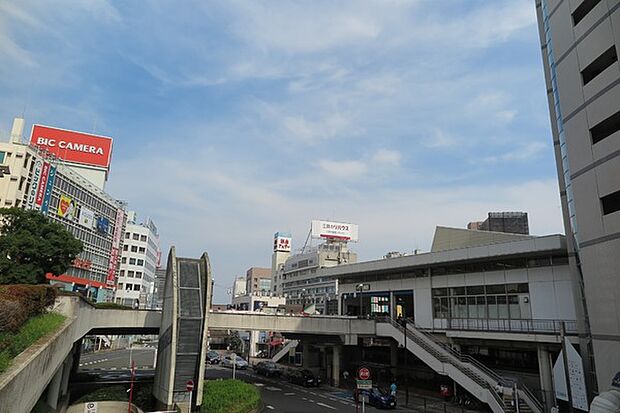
(229, 396)
(19, 302)
(112, 306)
(11, 344)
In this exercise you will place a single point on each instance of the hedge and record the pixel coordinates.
(229, 396)
(20, 302)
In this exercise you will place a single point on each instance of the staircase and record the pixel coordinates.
(510, 408)
(472, 375)
(284, 351)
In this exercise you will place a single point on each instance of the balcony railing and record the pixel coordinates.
(537, 326)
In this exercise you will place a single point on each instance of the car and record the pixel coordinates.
(304, 378)
(267, 368)
(239, 362)
(377, 398)
(213, 357)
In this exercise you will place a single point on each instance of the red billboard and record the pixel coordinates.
(71, 146)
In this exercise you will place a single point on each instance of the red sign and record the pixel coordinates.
(81, 263)
(363, 373)
(190, 385)
(73, 146)
(42, 184)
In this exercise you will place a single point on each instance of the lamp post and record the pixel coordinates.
(404, 323)
(360, 288)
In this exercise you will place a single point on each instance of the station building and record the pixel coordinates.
(32, 177)
(498, 297)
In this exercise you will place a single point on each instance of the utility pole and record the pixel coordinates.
(569, 392)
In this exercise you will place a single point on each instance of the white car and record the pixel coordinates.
(240, 363)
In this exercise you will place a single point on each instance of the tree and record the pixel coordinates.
(234, 343)
(31, 246)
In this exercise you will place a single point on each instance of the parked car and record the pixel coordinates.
(377, 398)
(239, 362)
(213, 357)
(304, 378)
(267, 368)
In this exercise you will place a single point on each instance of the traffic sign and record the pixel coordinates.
(363, 373)
(364, 384)
(190, 385)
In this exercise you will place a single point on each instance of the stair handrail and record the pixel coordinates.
(466, 358)
(485, 384)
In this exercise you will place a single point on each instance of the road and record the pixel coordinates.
(118, 359)
(280, 396)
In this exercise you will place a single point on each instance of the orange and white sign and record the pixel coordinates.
(71, 146)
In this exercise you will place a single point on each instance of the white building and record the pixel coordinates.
(139, 261)
(239, 287)
(34, 178)
(282, 244)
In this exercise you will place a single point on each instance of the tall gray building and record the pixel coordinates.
(579, 41)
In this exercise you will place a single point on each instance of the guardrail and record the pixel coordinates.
(538, 326)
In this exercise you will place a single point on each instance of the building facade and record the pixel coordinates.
(160, 281)
(34, 179)
(139, 262)
(579, 40)
(258, 280)
(303, 280)
(500, 301)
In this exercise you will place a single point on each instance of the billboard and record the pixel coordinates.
(48, 190)
(87, 217)
(116, 244)
(66, 208)
(282, 242)
(71, 146)
(34, 185)
(40, 194)
(334, 230)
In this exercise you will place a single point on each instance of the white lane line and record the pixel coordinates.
(311, 401)
(289, 394)
(272, 388)
(259, 384)
(326, 405)
(304, 398)
(313, 393)
(270, 407)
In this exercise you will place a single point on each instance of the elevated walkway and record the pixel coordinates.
(285, 350)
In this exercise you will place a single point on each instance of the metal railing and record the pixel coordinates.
(538, 326)
(531, 400)
(445, 355)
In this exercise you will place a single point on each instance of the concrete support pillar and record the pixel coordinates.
(336, 365)
(253, 343)
(66, 374)
(393, 354)
(546, 378)
(305, 354)
(53, 389)
(392, 305)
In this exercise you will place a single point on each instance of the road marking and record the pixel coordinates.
(313, 393)
(289, 394)
(273, 388)
(259, 384)
(311, 401)
(304, 398)
(270, 407)
(326, 405)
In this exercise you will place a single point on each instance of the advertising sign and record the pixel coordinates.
(66, 208)
(71, 146)
(364, 384)
(87, 217)
(116, 242)
(334, 230)
(282, 242)
(45, 171)
(48, 190)
(576, 377)
(34, 185)
(103, 225)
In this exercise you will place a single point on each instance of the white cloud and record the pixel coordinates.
(522, 153)
(387, 157)
(343, 169)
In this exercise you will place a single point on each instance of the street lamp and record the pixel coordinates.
(303, 300)
(360, 288)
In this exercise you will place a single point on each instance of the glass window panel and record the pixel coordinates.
(496, 289)
(475, 290)
(457, 291)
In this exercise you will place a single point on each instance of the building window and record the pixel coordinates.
(122, 273)
(605, 128)
(130, 273)
(134, 248)
(128, 286)
(136, 287)
(582, 11)
(601, 63)
(143, 238)
(140, 262)
(127, 235)
(611, 203)
(132, 261)
(2, 156)
(141, 249)
(125, 247)
(124, 260)
(120, 286)
(136, 237)
(138, 274)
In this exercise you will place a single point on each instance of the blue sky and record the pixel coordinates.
(236, 119)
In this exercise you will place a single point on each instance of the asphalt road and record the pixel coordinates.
(281, 396)
(118, 359)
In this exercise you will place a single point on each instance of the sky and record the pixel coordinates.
(236, 119)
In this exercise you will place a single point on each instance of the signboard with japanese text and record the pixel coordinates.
(334, 230)
(72, 146)
(576, 377)
(51, 178)
(34, 184)
(116, 242)
(282, 242)
(45, 170)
